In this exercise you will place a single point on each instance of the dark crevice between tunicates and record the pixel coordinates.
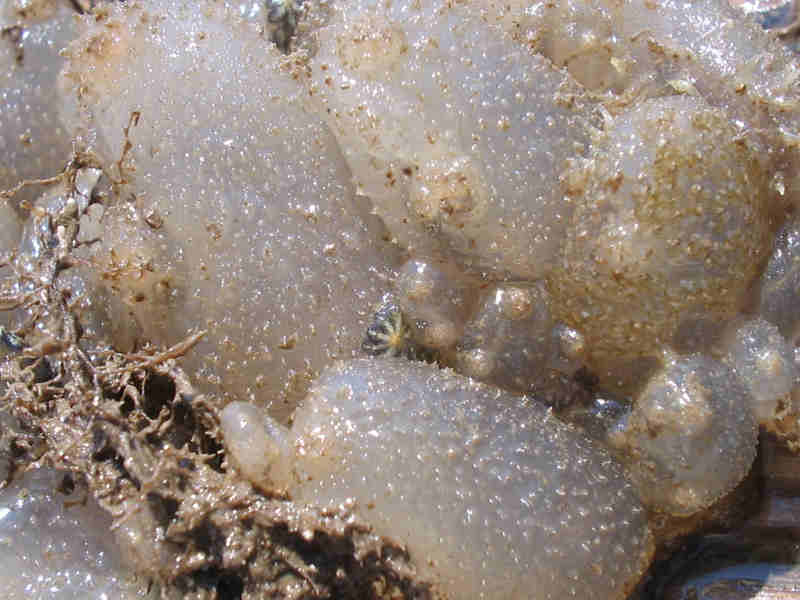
(225, 584)
(345, 576)
(693, 566)
(705, 542)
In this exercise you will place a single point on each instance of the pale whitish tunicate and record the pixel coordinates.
(256, 444)
(33, 143)
(436, 300)
(764, 361)
(136, 293)
(672, 222)
(249, 229)
(780, 283)
(639, 49)
(493, 497)
(456, 134)
(690, 437)
(54, 544)
(730, 61)
(577, 35)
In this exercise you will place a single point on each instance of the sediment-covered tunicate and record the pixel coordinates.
(690, 437)
(671, 223)
(579, 36)
(492, 496)
(640, 49)
(8, 425)
(40, 266)
(33, 143)
(54, 544)
(629, 51)
(764, 361)
(730, 61)
(252, 232)
(455, 134)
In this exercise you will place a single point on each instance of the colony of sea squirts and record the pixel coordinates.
(546, 196)
(418, 450)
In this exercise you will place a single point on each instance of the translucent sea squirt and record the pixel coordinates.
(492, 496)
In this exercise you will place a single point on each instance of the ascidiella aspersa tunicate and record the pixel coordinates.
(492, 496)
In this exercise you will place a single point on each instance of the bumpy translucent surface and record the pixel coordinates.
(436, 300)
(640, 49)
(691, 436)
(509, 339)
(241, 220)
(780, 283)
(764, 361)
(55, 546)
(256, 444)
(451, 129)
(493, 496)
(33, 143)
(233, 213)
(671, 221)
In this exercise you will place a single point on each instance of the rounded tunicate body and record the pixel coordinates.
(456, 135)
(690, 437)
(436, 300)
(136, 292)
(512, 328)
(671, 222)
(780, 283)
(579, 36)
(639, 49)
(764, 361)
(54, 544)
(235, 213)
(492, 496)
(256, 444)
